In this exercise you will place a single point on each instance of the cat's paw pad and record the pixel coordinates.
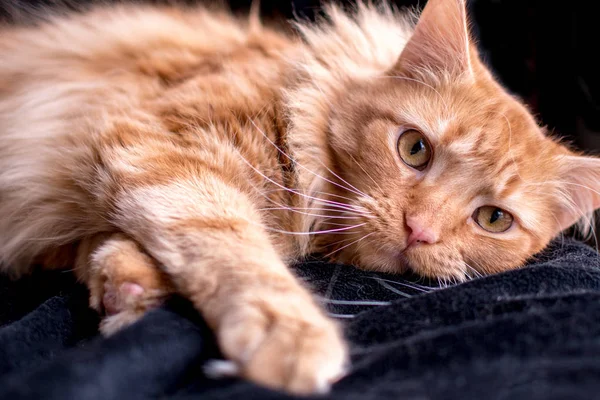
(125, 303)
(121, 297)
(285, 345)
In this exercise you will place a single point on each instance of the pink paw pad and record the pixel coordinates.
(131, 289)
(115, 301)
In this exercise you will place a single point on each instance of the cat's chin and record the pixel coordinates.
(407, 261)
(387, 262)
(428, 261)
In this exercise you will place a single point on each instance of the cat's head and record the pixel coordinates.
(444, 171)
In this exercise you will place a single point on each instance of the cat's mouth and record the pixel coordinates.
(411, 246)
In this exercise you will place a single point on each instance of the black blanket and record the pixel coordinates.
(533, 333)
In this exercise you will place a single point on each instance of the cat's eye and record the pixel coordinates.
(493, 219)
(414, 149)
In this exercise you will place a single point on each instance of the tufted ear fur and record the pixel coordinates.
(580, 178)
(441, 41)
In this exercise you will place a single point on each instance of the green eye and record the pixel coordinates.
(493, 219)
(414, 149)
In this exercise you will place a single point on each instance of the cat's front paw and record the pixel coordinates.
(283, 341)
(126, 303)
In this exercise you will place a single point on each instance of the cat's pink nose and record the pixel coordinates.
(419, 233)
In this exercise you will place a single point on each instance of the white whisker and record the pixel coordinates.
(366, 173)
(341, 316)
(288, 189)
(341, 179)
(355, 191)
(334, 224)
(318, 232)
(309, 214)
(340, 197)
(359, 207)
(413, 286)
(355, 302)
(324, 209)
(477, 273)
(349, 244)
(393, 289)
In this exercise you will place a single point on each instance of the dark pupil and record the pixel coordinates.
(496, 215)
(417, 147)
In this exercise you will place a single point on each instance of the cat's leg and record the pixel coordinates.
(212, 243)
(124, 282)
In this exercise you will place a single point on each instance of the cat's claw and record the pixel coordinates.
(217, 369)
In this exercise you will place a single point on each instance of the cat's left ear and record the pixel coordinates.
(441, 42)
(580, 181)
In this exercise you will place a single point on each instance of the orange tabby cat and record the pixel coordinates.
(183, 150)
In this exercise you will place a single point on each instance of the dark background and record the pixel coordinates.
(542, 50)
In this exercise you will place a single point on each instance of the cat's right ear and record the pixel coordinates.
(441, 43)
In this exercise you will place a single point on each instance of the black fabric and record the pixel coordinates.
(533, 333)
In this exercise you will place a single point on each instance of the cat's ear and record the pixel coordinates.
(441, 42)
(580, 182)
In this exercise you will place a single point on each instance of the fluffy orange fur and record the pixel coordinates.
(163, 149)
